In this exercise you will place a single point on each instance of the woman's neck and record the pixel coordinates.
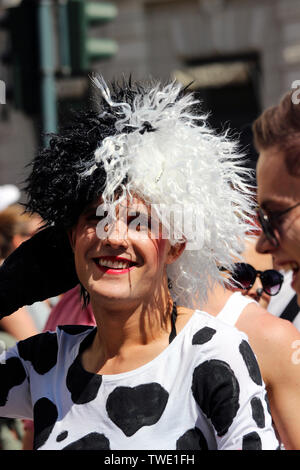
(216, 299)
(127, 338)
(124, 326)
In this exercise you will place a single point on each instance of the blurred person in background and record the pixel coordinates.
(277, 140)
(9, 194)
(257, 270)
(15, 228)
(270, 337)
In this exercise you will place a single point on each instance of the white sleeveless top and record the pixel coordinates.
(233, 308)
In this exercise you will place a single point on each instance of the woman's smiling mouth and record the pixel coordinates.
(114, 264)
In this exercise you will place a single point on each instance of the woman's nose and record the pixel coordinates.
(116, 234)
(256, 289)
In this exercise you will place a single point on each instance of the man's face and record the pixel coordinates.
(277, 191)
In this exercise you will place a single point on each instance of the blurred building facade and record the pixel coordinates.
(241, 56)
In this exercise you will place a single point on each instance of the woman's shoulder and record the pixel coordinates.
(206, 330)
(206, 320)
(43, 347)
(217, 346)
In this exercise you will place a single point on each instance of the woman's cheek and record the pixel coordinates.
(161, 245)
(154, 252)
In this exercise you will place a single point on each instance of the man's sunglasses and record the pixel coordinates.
(244, 276)
(267, 223)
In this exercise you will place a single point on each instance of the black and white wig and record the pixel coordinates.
(152, 141)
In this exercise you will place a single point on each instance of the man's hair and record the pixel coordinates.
(279, 126)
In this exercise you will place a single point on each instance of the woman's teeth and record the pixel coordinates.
(114, 264)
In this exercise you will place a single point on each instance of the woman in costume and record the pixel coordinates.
(124, 182)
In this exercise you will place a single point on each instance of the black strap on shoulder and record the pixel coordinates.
(173, 322)
(291, 310)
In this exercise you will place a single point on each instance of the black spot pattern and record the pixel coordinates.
(92, 441)
(40, 350)
(45, 416)
(132, 408)
(216, 390)
(74, 329)
(258, 412)
(62, 436)
(251, 362)
(83, 385)
(252, 441)
(203, 336)
(193, 439)
(268, 403)
(12, 373)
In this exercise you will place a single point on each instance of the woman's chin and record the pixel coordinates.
(109, 296)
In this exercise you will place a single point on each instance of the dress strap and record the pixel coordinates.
(233, 308)
(173, 322)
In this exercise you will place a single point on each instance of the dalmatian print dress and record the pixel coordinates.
(204, 391)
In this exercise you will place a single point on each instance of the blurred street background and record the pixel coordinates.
(241, 56)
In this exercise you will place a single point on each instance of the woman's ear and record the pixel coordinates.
(71, 236)
(174, 252)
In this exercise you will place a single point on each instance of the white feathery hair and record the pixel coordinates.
(182, 163)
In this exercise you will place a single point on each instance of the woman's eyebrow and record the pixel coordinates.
(137, 212)
(91, 208)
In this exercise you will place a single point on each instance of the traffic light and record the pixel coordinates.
(21, 24)
(82, 15)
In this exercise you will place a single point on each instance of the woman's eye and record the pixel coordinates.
(94, 218)
(139, 222)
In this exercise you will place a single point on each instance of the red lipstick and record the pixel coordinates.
(114, 270)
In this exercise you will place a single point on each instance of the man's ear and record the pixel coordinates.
(174, 252)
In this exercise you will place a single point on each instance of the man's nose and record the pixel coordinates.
(263, 245)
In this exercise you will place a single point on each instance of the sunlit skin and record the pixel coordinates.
(132, 307)
(277, 191)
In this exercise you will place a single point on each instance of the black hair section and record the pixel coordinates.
(56, 187)
(84, 296)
